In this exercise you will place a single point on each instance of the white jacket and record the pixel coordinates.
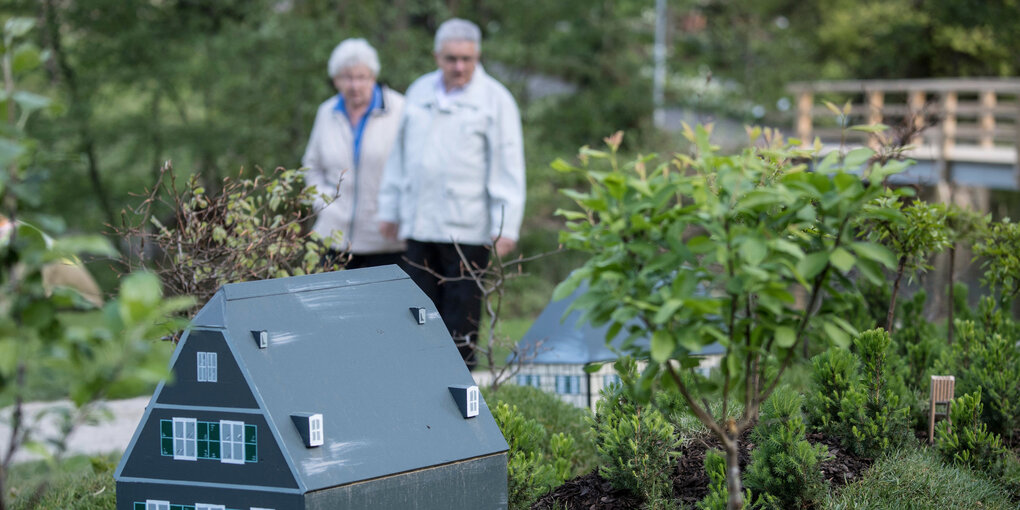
(329, 159)
(456, 173)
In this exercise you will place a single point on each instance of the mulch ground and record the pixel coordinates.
(690, 482)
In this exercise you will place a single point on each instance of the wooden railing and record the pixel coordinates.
(945, 120)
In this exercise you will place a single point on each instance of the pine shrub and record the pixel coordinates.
(529, 474)
(636, 446)
(784, 465)
(718, 495)
(834, 374)
(871, 414)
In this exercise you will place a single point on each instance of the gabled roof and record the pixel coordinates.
(345, 344)
(555, 338)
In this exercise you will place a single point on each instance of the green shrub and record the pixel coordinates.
(985, 358)
(529, 473)
(555, 416)
(834, 374)
(784, 466)
(966, 440)
(871, 413)
(718, 495)
(636, 447)
(917, 343)
(79, 483)
(917, 479)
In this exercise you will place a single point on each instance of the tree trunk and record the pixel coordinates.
(952, 296)
(733, 485)
(892, 300)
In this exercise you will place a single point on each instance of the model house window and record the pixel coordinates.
(259, 508)
(207, 506)
(568, 384)
(184, 440)
(315, 430)
(611, 379)
(206, 367)
(529, 380)
(472, 401)
(231, 442)
(208, 441)
(152, 504)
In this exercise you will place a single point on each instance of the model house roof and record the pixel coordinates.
(560, 337)
(347, 345)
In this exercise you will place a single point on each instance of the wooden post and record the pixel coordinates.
(876, 99)
(805, 101)
(987, 119)
(948, 132)
(915, 103)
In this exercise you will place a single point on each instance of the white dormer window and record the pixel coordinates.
(315, 430)
(185, 440)
(472, 401)
(152, 504)
(231, 442)
(206, 367)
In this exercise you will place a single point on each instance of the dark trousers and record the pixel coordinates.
(359, 261)
(458, 302)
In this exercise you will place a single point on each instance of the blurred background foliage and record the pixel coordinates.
(221, 87)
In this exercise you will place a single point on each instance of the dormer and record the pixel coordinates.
(467, 399)
(309, 425)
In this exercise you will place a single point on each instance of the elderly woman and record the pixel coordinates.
(346, 153)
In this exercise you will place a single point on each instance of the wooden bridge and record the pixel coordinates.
(961, 131)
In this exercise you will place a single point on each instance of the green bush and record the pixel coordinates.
(985, 358)
(917, 479)
(968, 441)
(555, 416)
(718, 495)
(834, 374)
(784, 466)
(529, 473)
(79, 483)
(636, 446)
(859, 398)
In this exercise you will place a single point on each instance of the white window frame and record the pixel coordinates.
(258, 508)
(227, 443)
(155, 504)
(207, 367)
(182, 440)
(472, 401)
(209, 506)
(315, 435)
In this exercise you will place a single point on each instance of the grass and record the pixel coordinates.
(78, 483)
(915, 478)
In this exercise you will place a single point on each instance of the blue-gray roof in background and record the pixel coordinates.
(345, 344)
(566, 340)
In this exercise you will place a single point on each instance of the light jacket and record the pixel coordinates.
(329, 159)
(456, 174)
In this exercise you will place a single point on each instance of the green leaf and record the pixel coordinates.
(812, 264)
(591, 368)
(667, 310)
(754, 250)
(560, 165)
(842, 259)
(567, 287)
(837, 335)
(662, 345)
(869, 128)
(857, 157)
(875, 252)
(17, 27)
(139, 294)
(30, 101)
(90, 244)
(785, 337)
(9, 151)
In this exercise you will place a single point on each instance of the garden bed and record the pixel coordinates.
(690, 482)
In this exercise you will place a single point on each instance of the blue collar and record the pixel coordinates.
(359, 130)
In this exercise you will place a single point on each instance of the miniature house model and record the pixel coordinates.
(336, 390)
(558, 347)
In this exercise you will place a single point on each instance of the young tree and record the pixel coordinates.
(963, 225)
(42, 331)
(715, 248)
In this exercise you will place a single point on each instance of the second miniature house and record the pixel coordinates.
(318, 391)
(558, 346)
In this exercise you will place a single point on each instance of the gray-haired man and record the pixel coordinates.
(456, 175)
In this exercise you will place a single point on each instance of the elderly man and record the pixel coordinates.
(455, 178)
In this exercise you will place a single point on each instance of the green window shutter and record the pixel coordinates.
(203, 449)
(166, 447)
(166, 429)
(203, 430)
(250, 444)
(214, 449)
(139, 506)
(249, 434)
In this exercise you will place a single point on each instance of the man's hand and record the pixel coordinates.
(503, 246)
(388, 229)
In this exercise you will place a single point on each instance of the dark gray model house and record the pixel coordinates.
(558, 346)
(329, 391)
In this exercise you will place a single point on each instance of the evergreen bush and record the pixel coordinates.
(834, 374)
(637, 447)
(784, 465)
(967, 440)
(529, 474)
(871, 413)
(718, 495)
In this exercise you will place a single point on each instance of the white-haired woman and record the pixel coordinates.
(347, 150)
